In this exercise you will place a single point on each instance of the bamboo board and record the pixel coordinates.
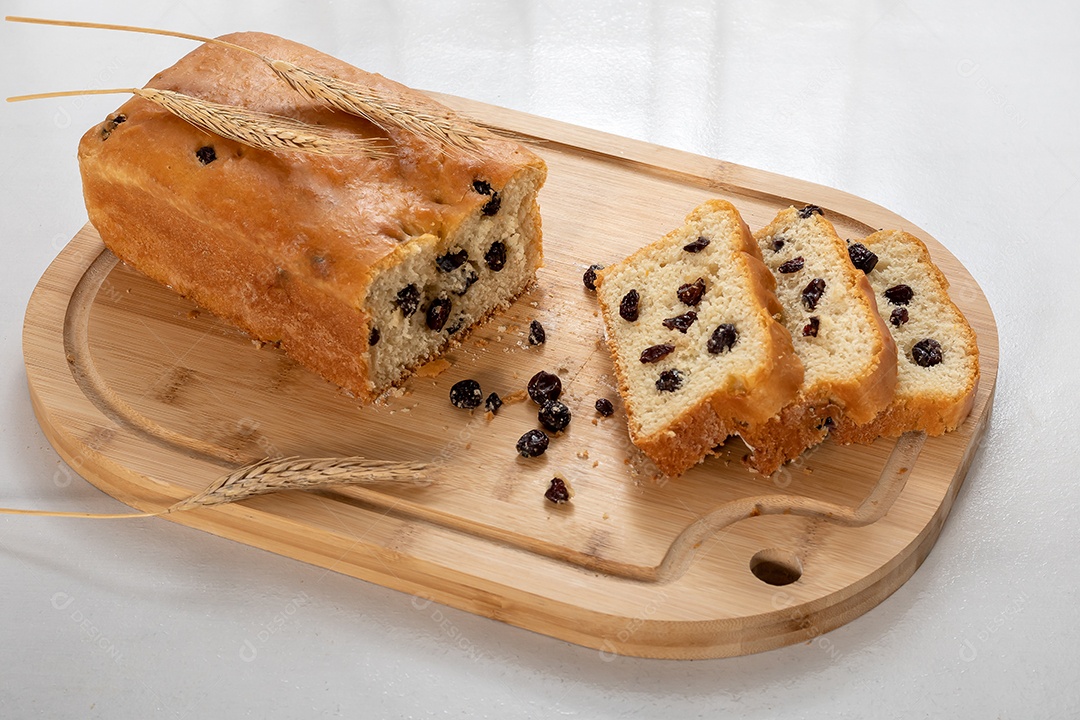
(150, 400)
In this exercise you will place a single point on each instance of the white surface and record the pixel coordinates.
(960, 118)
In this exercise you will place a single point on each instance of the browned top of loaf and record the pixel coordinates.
(325, 218)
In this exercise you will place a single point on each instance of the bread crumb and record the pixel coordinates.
(514, 397)
(481, 343)
(435, 368)
(489, 416)
(583, 454)
(594, 421)
(606, 516)
(595, 463)
(808, 471)
(193, 314)
(468, 446)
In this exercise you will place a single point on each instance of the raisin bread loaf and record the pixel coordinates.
(847, 352)
(938, 356)
(360, 268)
(696, 350)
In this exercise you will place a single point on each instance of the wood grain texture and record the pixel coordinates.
(151, 400)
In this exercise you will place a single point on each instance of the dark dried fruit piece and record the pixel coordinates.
(927, 353)
(534, 443)
(698, 245)
(604, 407)
(669, 381)
(470, 279)
(554, 416)
(682, 322)
(691, 293)
(811, 294)
(465, 394)
(899, 294)
(492, 206)
(206, 154)
(495, 257)
(557, 492)
(452, 260)
(589, 278)
(898, 316)
(778, 244)
(482, 187)
(809, 210)
(723, 338)
(537, 336)
(655, 353)
(544, 387)
(628, 307)
(458, 324)
(493, 403)
(862, 257)
(437, 313)
(373, 336)
(792, 265)
(408, 299)
(110, 124)
(811, 328)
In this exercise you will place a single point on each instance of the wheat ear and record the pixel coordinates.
(274, 475)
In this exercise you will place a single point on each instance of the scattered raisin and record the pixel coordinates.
(206, 154)
(899, 316)
(589, 278)
(554, 416)
(628, 307)
(452, 260)
(669, 381)
(493, 403)
(655, 353)
(557, 492)
(810, 210)
(792, 265)
(470, 279)
(682, 322)
(408, 299)
(691, 293)
(544, 387)
(604, 407)
(492, 206)
(811, 294)
(437, 313)
(899, 294)
(373, 336)
(482, 187)
(465, 394)
(811, 328)
(927, 353)
(778, 244)
(698, 245)
(495, 257)
(537, 336)
(723, 338)
(862, 257)
(534, 443)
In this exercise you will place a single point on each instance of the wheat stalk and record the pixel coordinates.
(273, 475)
(339, 94)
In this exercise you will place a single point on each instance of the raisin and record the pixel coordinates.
(811, 294)
(452, 261)
(495, 257)
(589, 278)
(810, 210)
(899, 294)
(537, 336)
(534, 443)
(408, 299)
(811, 328)
(437, 313)
(927, 353)
(792, 265)
(682, 322)
(373, 336)
(778, 244)
(862, 257)
(628, 307)
(899, 316)
(470, 279)
(604, 407)
(492, 206)
(206, 154)
(465, 394)
(482, 187)
(493, 403)
(723, 338)
(554, 416)
(544, 387)
(655, 353)
(669, 381)
(698, 245)
(458, 324)
(557, 492)
(691, 293)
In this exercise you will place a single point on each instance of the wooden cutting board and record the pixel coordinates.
(151, 400)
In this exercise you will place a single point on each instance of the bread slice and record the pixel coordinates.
(847, 352)
(360, 268)
(938, 356)
(698, 352)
